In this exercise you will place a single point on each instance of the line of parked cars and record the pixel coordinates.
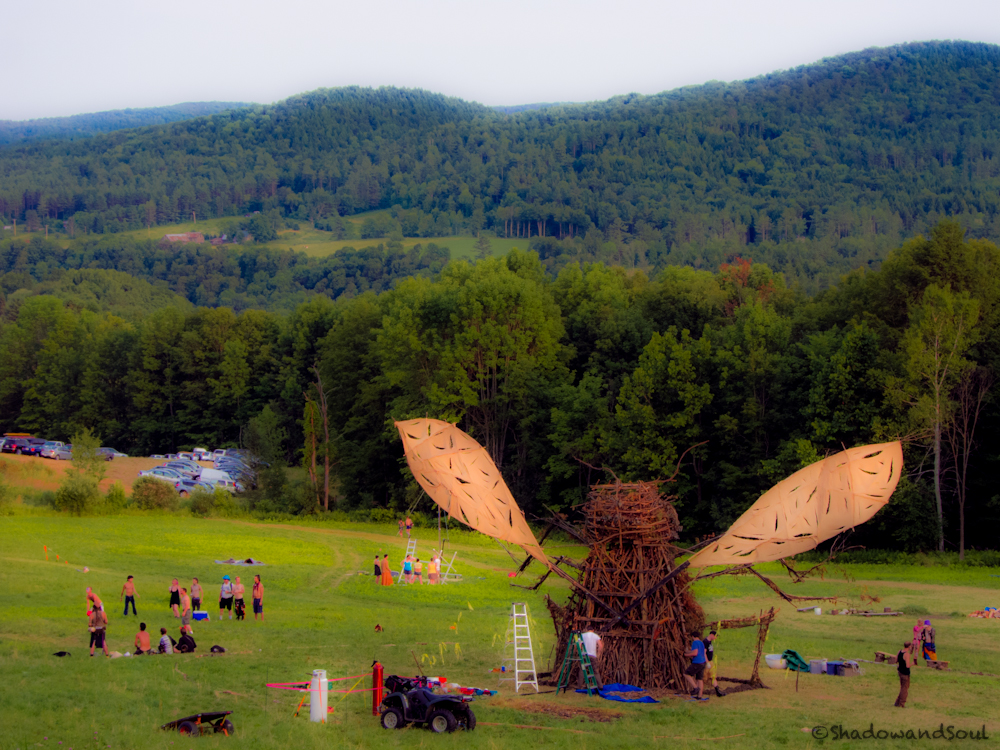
(230, 470)
(22, 444)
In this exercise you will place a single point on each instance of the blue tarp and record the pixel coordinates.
(618, 687)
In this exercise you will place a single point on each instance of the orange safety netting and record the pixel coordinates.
(459, 475)
(812, 505)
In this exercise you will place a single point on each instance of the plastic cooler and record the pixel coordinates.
(200, 615)
(833, 667)
(817, 666)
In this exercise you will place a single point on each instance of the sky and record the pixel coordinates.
(66, 57)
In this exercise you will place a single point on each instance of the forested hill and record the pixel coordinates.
(817, 169)
(14, 131)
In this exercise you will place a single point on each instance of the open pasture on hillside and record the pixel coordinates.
(321, 608)
(26, 474)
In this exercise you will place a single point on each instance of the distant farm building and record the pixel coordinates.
(185, 237)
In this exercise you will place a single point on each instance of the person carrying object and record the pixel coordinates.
(142, 640)
(129, 592)
(710, 671)
(928, 637)
(695, 673)
(904, 660)
(238, 603)
(226, 597)
(97, 625)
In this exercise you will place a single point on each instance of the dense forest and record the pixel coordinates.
(814, 171)
(597, 366)
(77, 126)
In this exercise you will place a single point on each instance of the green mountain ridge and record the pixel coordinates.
(815, 171)
(87, 124)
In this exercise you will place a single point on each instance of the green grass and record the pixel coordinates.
(313, 242)
(321, 614)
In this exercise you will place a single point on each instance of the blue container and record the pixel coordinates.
(833, 667)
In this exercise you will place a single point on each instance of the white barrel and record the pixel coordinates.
(318, 694)
(817, 610)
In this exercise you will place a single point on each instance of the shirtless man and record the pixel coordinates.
(98, 624)
(185, 607)
(142, 640)
(129, 592)
(258, 598)
(409, 526)
(93, 600)
(195, 595)
(238, 590)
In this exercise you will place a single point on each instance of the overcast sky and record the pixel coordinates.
(66, 57)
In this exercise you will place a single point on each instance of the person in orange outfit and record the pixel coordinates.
(386, 571)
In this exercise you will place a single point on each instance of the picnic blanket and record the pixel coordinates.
(607, 692)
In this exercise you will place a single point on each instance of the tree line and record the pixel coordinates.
(815, 170)
(597, 366)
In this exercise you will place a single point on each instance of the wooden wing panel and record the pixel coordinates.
(459, 475)
(812, 505)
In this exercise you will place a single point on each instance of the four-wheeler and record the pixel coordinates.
(410, 701)
(203, 723)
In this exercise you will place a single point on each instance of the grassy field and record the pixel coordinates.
(321, 610)
(312, 242)
(29, 474)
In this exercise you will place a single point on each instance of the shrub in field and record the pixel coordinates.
(154, 494)
(226, 505)
(202, 502)
(78, 494)
(116, 499)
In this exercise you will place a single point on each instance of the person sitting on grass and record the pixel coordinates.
(186, 644)
(166, 642)
(142, 640)
(98, 623)
(695, 673)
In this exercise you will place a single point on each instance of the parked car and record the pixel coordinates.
(64, 453)
(113, 453)
(16, 445)
(186, 486)
(34, 447)
(167, 475)
(189, 470)
(49, 449)
(202, 454)
(186, 455)
(108, 453)
(156, 455)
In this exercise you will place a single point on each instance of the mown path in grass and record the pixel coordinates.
(321, 607)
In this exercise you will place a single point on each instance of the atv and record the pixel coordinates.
(411, 701)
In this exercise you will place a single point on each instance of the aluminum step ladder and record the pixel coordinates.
(576, 652)
(411, 549)
(446, 573)
(519, 657)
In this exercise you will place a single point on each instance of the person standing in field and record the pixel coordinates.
(695, 673)
(386, 571)
(409, 526)
(195, 595)
(241, 607)
(378, 571)
(129, 592)
(929, 636)
(432, 571)
(904, 660)
(142, 640)
(918, 636)
(175, 597)
(710, 671)
(98, 624)
(185, 607)
(407, 573)
(226, 597)
(418, 569)
(400, 532)
(258, 597)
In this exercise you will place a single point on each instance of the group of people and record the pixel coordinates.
(407, 525)
(412, 572)
(702, 666)
(182, 603)
(923, 643)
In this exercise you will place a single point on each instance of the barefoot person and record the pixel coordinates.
(175, 598)
(185, 607)
(98, 624)
(226, 597)
(409, 526)
(195, 595)
(238, 603)
(904, 660)
(258, 598)
(129, 592)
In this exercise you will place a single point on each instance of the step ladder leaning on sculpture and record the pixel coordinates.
(576, 652)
